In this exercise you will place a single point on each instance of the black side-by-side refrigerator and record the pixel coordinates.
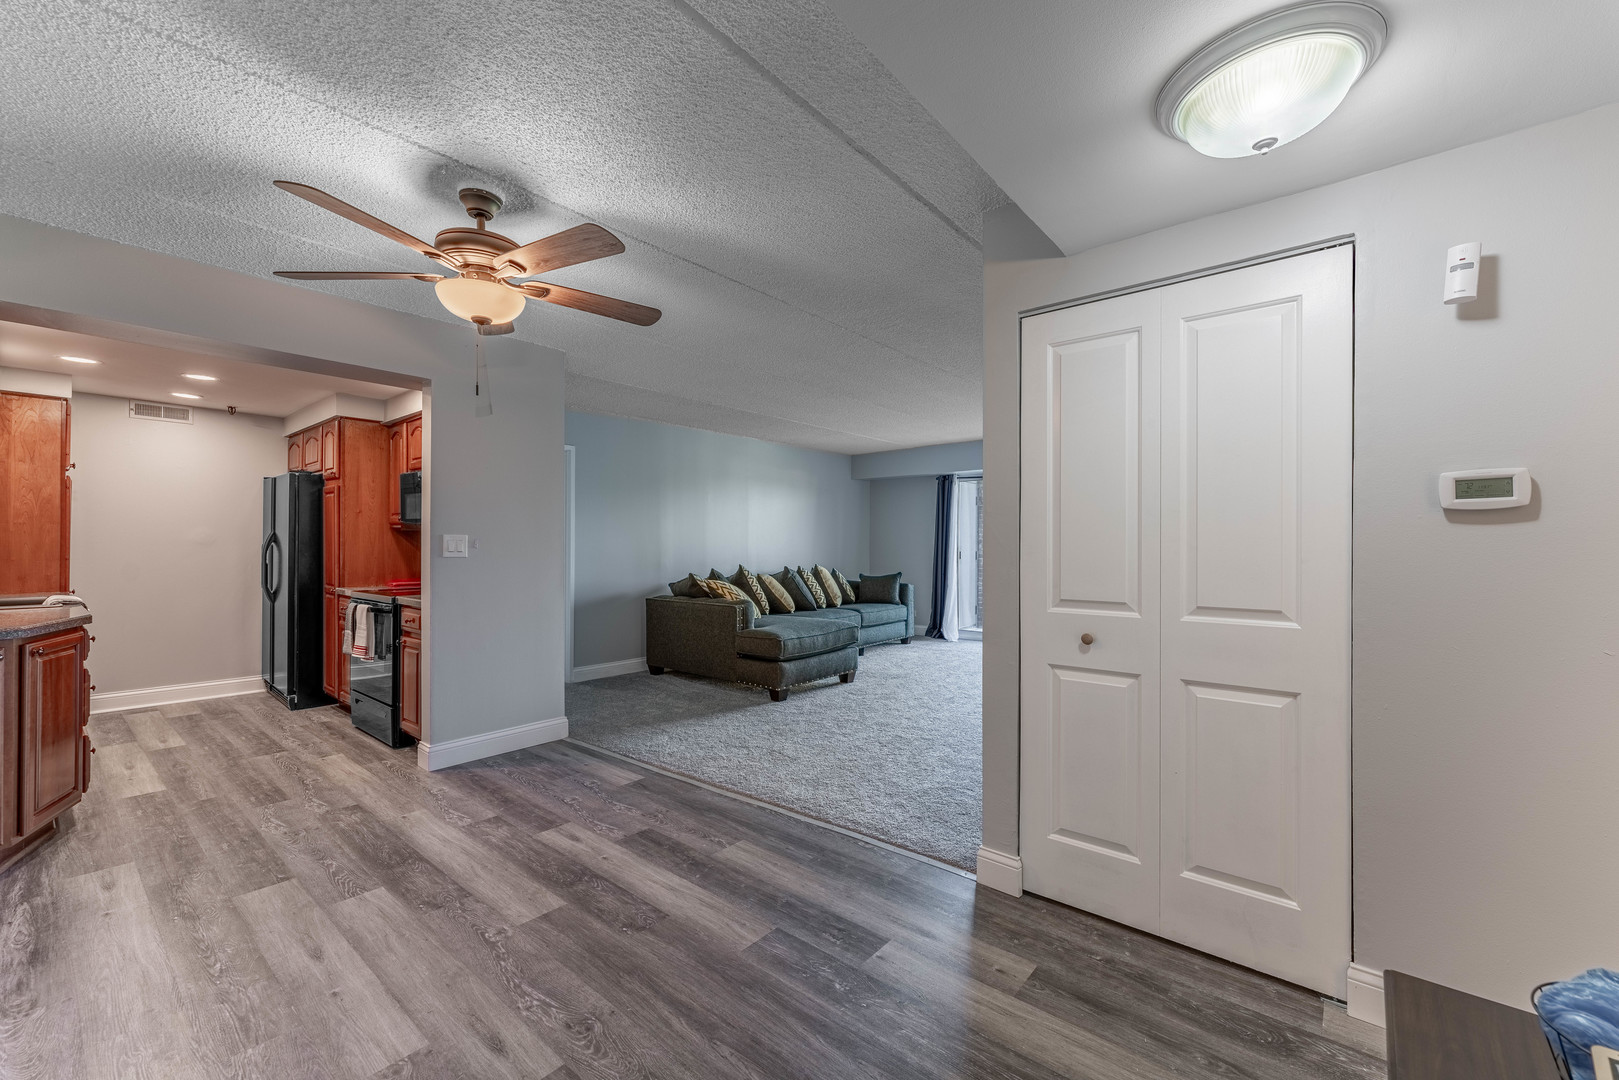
(291, 589)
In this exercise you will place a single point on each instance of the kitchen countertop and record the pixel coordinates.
(33, 622)
(412, 599)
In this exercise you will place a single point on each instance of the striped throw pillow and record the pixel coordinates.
(829, 585)
(720, 589)
(813, 586)
(849, 596)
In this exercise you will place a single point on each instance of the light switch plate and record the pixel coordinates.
(455, 546)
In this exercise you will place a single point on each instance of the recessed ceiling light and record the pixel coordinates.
(80, 360)
(199, 378)
(1270, 80)
(193, 397)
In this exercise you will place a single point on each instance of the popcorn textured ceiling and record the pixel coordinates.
(809, 231)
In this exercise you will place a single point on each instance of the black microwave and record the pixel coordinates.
(410, 497)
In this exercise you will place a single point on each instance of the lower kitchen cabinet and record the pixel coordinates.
(410, 672)
(44, 751)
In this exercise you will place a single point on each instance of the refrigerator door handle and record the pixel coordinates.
(274, 567)
(264, 566)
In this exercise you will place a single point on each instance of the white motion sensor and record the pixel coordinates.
(1461, 273)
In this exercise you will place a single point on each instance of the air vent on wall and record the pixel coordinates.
(156, 410)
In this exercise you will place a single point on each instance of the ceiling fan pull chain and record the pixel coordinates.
(480, 382)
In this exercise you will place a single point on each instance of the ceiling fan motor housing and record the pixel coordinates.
(476, 250)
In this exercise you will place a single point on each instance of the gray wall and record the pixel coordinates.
(654, 502)
(902, 518)
(494, 642)
(1485, 677)
(166, 526)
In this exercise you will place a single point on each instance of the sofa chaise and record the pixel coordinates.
(724, 639)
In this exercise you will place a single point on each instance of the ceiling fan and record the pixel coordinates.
(485, 286)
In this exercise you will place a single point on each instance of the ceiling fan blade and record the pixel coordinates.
(354, 275)
(622, 310)
(582, 243)
(360, 217)
(493, 329)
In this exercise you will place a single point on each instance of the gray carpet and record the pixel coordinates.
(894, 755)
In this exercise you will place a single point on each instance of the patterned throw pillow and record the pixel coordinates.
(829, 585)
(813, 586)
(748, 582)
(780, 602)
(720, 589)
(882, 589)
(803, 599)
(849, 596)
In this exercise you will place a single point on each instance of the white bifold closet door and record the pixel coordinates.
(1186, 504)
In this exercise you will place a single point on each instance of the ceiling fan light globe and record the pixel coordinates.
(478, 299)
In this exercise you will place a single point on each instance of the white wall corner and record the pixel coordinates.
(119, 700)
(607, 671)
(441, 755)
(1366, 995)
(999, 871)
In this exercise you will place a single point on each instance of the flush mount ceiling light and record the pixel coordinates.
(199, 378)
(79, 360)
(192, 397)
(1271, 80)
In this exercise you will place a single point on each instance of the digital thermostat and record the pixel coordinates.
(1484, 489)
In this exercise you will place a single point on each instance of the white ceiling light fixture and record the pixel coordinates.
(79, 360)
(191, 397)
(199, 378)
(1271, 80)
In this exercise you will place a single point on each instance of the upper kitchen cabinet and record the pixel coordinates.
(413, 443)
(330, 445)
(35, 494)
(310, 441)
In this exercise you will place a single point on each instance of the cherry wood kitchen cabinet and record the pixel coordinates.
(361, 548)
(295, 455)
(44, 707)
(410, 671)
(413, 443)
(311, 444)
(330, 446)
(404, 455)
(36, 496)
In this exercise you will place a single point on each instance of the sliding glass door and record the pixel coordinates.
(969, 536)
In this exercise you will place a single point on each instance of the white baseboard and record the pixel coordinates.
(119, 700)
(1366, 995)
(441, 755)
(999, 871)
(607, 671)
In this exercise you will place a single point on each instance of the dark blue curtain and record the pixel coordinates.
(944, 549)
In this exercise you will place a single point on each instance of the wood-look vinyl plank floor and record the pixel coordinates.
(249, 892)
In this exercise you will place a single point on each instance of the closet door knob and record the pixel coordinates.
(1087, 639)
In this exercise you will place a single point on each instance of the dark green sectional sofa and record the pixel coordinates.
(723, 639)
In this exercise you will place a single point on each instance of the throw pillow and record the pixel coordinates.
(849, 596)
(813, 586)
(803, 599)
(780, 602)
(882, 589)
(686, 586)
(748, 582)
(720, 589)
(829, 585)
